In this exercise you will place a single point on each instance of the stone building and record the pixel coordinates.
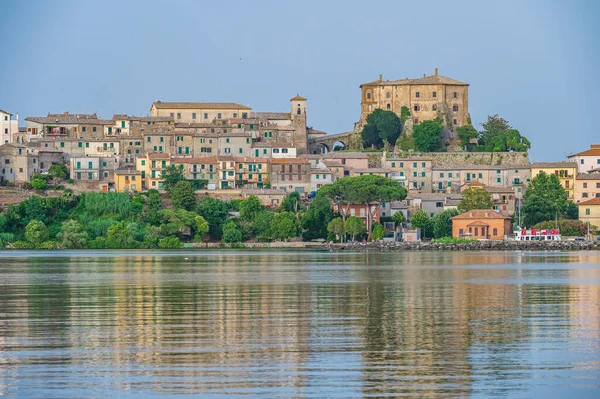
(587, 186)
(202, 112)
(67, 125)
(9, 127)
(290, 174)
(425, 97)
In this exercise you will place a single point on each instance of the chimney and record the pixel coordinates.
(436, 72)
(380, 77)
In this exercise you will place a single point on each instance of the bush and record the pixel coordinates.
(450, 240)
(21, 245)
(169, 243)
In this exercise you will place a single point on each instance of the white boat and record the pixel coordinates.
(537, 235)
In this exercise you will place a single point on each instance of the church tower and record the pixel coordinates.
(298, 116)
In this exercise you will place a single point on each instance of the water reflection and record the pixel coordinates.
(299, 324)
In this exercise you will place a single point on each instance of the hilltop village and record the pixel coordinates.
(230, 152)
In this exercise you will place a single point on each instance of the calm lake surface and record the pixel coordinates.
(299, 324)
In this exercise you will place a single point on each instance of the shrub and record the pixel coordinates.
(169, 243)
(450, 240)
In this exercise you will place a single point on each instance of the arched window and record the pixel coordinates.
(368, 95)
(388, 94)
(388, 106)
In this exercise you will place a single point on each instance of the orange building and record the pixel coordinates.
(482, 224)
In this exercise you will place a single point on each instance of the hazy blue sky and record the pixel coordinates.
(535, 63)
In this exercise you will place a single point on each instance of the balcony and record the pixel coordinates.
(397, 176)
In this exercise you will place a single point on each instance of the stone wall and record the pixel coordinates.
(472, 246)
(470, 158)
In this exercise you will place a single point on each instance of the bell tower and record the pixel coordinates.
(298, 115)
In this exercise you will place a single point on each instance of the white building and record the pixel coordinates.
(8, 127)
(320, 176)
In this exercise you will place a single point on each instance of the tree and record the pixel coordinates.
(442, 223)
(171, 175)
(572, 211)
(420, 220)
(250, 207)
(544, 199)
(398, 218)
(73, 234)
(377, 231)
(200, 228)
(466, 133)
(355, 227)
(36, 232)
(169, 243)
(183, 195)
(38, 182)
(493, 130)
(215, 212)
(58, 171)
(382, 127)
(316, 218)
(231, 233)
(516, 142)
(336, 227)
(341, 193)
(262, 224)
(284, 226)
(427, 136)
(475, 198)
(120, 236)
(372, 190)
(291, 203)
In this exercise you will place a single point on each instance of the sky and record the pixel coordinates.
(535, 63)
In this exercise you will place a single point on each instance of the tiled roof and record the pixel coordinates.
(197, 124)
(194, 160)
(593, 201)
(426, 80)
(198, 105)
(480, 167)
(125, 117)
(278, 161)
(241, 120)
(481, 214)
(561, 164)
(588, 176)
(319, 171)
(298, 98)
(249, 159)
(6, 112)
(69, 120)
(477, 223)
(271, 115)
(276, 127)
(158, 155)
(371, 170)
(127, 172)
(593, 151)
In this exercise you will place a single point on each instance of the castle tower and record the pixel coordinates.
(298, 115)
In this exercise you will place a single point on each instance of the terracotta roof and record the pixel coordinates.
(593, 201)
(371, 170)
(125, 117)
(330, 162)
(481, 214)
(127, 172)
(69, 120)
(561, 164)
(298, 98)
(426, 80)
(241, 120)
(271, 115)
(588, 176)
(249, 159)
(276, 127)
(319, 171)
(158, 155)
(593, 151)
(196, 124)
(198, 105)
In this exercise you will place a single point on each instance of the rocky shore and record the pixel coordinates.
(471, 246)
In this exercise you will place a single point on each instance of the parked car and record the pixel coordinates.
(578, 239)
(598, 238)
(312, 194)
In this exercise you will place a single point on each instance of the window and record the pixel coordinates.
(388, 106)
(284, 150)
(62, 144)
(105, 174)
(414, 164)
(104, 164)
(219, 115)
(481, 175)
(441, 175)
(388, 94)
(582, 161)
(241, 151)
(416, 121)
(90, 175)
(275, 150)
(227, 140)
(401, 164)
(584, 195)
(368, 95)
(193, 115)
(455, 108)
(89, 165)
(80, 144)
(149, 139)
(422, 174)
(83, 129)
(584, 185)
(450, 174)
(227, 151)
(455, 94)
(597, 185)
(162, 140)
(143, 162)
(455, 122)
(498, 180)
(422, 164)
(205, 115)
(434, 107)
(495, 231)
(417, 107)
(414, 174)
(587, 211)
(417, 94)
(94, 129)
(434, 94)
(179, 115)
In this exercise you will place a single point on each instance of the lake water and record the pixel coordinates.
(299, 324)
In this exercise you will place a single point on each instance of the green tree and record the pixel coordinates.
(58, 171)
(250, 207)
(475, 198)
(382, 127)
(73, 234)
(183, 195)
(38, 183)
(36, 232)
(341, 193)
(316, 218)
(231, 233)
(172, 175)
(262, 224)
(572, 211)
(169, 243)
(442, 223)
(200, 228)
(516, 142)
(421, 220)
(336, 227)
(372, 190)
(121, 235)
(291, 203)
(398, 218)
(377, 231)
(427, 136)
(355, 227)
(284, 226)
(215, 212)
(544, 199)
(494, 130)
(466, 133)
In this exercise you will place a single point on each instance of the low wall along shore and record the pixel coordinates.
(471, 246)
